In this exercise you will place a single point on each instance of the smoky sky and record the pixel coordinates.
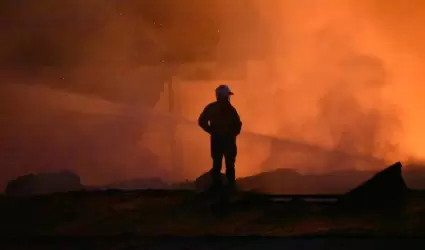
(84, 84)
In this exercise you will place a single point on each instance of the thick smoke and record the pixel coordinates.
(352, 109)
(83, 85)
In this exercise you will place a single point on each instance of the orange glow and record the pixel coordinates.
(342, 75)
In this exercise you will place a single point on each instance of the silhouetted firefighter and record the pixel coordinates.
(221, 120)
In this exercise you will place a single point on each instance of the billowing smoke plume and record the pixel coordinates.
(318, 84)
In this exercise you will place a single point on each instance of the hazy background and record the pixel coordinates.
(82, 84)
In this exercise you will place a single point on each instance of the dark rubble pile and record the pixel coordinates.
(44, 183)
(386, 190)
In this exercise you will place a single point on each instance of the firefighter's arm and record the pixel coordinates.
(237, 122)
(203, 120)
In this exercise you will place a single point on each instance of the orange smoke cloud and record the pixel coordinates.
(341, 75)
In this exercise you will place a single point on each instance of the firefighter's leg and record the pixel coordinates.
(217, 157)
(230, 158)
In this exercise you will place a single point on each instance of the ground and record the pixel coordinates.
(134, 217)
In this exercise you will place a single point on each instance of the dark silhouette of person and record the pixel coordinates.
(221, 120)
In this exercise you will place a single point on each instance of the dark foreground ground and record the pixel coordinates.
(222, 243)
(186, 220)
